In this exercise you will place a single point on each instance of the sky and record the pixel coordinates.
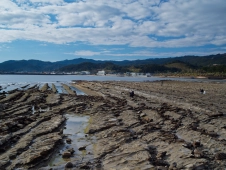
(54, 30)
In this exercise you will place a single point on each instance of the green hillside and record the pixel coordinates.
(181, 66)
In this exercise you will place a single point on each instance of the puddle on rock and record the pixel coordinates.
(40, 110)
(79, 92)
(33, 109)
(60, 89)
(44, 110)
(75, 130)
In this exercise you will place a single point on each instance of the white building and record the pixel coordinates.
(148, 74)
(133, 74)
(101, 73)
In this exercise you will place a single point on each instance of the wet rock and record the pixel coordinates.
(85, 167)
(142, 114)
(82, 148)
(162, 163)
(196, 144)
(68, 140)
(68, 89)
(198, 153)
(69, 165)
(161, 168)
(66, 154)
(217, 114)
(12, 156)
(189, 167)
(160, 155)
(220, 156)
(212, 134)
(61, 131)
(139, 112)
(187, 145)
(4, 128)
(112, 120)
(2, 107)
(71, 150)
(173, 166)
(20, 126)
(91, 131)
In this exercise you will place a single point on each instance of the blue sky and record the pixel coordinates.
(53, 30)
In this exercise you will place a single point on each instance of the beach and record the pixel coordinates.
(165, 125)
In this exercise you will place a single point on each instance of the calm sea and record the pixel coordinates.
(31, 79)
(11, 82)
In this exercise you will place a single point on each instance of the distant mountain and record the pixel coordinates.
(37, 65)
(94, 67)
(25, 65)
(204, 60)
(41, 66)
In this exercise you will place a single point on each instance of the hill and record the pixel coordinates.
(182, 66)
(37, 65)
(41, 66)
(94, 67)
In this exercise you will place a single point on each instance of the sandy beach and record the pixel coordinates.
(166, 125)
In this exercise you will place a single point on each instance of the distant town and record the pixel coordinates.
(99, 73)
(187, 66)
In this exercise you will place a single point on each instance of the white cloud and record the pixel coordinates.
(145, 53)
(140, 23)
(85, 53)
(47, 1)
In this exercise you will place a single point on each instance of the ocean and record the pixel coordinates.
(11, 82)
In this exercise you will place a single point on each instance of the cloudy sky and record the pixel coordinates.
(53, 30)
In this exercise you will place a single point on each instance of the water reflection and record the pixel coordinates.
(74, 130)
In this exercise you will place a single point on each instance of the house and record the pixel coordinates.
(133, 74)
(148, 74)
(101, 73)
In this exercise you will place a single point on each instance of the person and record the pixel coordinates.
(132, 94)
(202, 91)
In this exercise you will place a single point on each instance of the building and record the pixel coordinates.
(148, 74)
(101, 73)
(133, 74)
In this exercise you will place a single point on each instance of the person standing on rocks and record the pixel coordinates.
(202, 91)
(132, 94)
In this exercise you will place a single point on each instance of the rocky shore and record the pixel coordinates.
(166, 125)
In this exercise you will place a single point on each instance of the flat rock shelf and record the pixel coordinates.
(165, 125)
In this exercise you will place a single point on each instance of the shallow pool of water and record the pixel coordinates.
(78, 92)
(60, 89)
(75, 130)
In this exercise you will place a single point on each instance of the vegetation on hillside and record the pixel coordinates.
(177, 68)
(187, 65)
(93, 68)
(113, 68)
